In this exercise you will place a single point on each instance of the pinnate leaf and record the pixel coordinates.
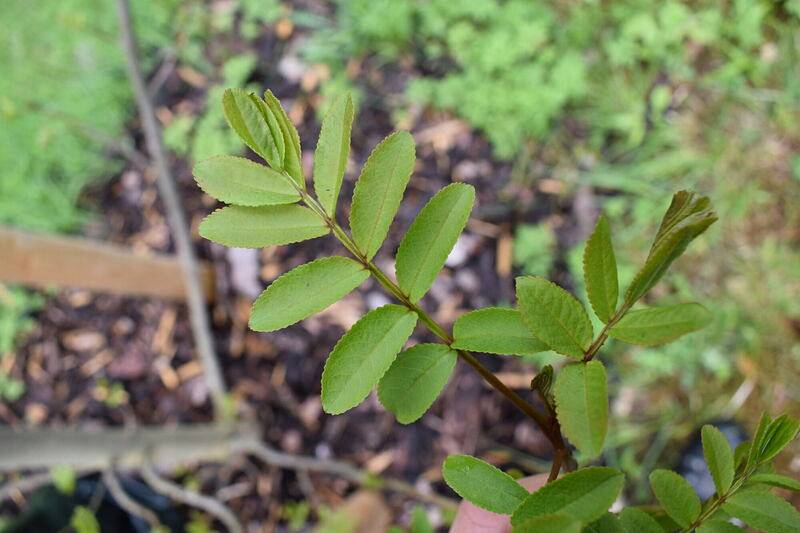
(634, 519)
(553, 315)
(719, 457)
(305, 290)
(764, 511)
(549, 523)
(239, 181)
(495, 330)
(379, 190)
(255, 124)
(600, 271)
(363, 355)
(676, 496)
(415, 379)
(584, 495)
(482, 484)
(776, 480)
(688, 216)
(254, 227)
(333, 147)
(581, 395)
(431, 237)
(656, 325)
(292, 160)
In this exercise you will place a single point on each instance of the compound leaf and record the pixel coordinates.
(254, 227)
(255, 124)
(363, 355)
(634, 519)
(482, 484)
(776, 480)
(495, 330)
(719, 457)
(657, 325)
(305, 290)
(333, 147)
(549, 523)
(553, 315)
(583, 495)
(379, 190)
(581, 396)
(292, 160)
(600, 271)
(415, 379)
(763, 510)
(239, 181)
(676, 496)
(431, 237)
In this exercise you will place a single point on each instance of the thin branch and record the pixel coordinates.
(190, 498)
(111, 481)
(196, 301)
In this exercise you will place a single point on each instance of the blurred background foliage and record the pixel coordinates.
(635, 99)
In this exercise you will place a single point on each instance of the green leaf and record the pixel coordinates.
(757, 444)
(776, 480)
(607, 523)
(482, 484)
(636, 520)
(600, 271)
(676, 496)
(554, 316)
(495, 330)
(780, 433)
(64, 479)
(719, 457)
(431, 237)
(306, 290)
(84, 521)
(420, 522)
(255, 124)
(363, 355)
(581, 396)
(550, 523)
(584, 495)
(656, 325)
(293, 157)
(687, 217)
(718, 526)
(379, 190)
(254, 227)
(239, 181)
(415, 379)
(333, 147)
(763, 510)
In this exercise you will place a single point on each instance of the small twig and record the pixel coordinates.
(196, 301)
(190, 498)
(133, 507)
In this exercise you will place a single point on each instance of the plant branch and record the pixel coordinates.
(112, 483)
(201, 329)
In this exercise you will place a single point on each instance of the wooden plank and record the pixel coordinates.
(45, 261)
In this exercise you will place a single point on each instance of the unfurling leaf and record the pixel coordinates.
(415, 379)
(719, 458)
(333, 147)
(600, 271)
(254, 227)
(239, 181)
(656, 325)
(757, 444)
(363, 355)
(554, 316)
(581, 396)
(292, 160)
(764, 511)
(431, 237)
(482, 484)
(255, 124)
(495, 330)
(634, 519)
(780, 433)
(305, 290)
(379, 190)
(688, 216)
(776, 480)
(549, 523)
(676, 496)
(583, 495)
